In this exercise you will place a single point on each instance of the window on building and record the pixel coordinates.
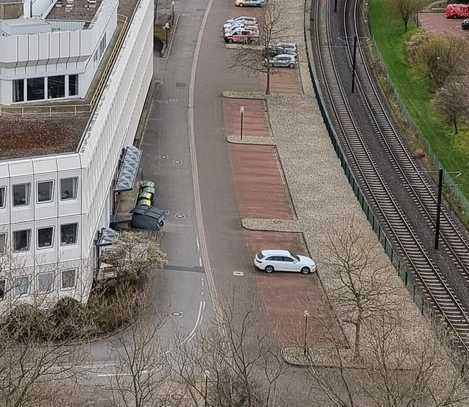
(3, 193)
(45, 237)
(2, 289)
(21, 285)
(73, 85)
(3, 243)
(21, 240)
(45, 282)
(56, 86)
(21, 194)
(68, 233)
(68, 188)
(68, 278)
(45, 191)
(35, 88)
(18, 90)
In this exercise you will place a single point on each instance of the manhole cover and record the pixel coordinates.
(177, 314)
(180, 84)
(179, 215)
(178, 162)
(163, 157)
(238, 273)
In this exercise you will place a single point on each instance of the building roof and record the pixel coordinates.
(32, 134)
(75, 10)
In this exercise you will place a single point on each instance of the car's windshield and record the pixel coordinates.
(260, 255)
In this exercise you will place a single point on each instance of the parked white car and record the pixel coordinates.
(282, 61)
(242, 19)
(249, 3)
(283, 260)
(286, 45)
(240, 26)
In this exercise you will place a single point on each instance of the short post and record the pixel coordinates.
(241, 129)
(166, 28)
(335, 6)
(354, 62)
(306, 315)
(172, 13)
(438, 208)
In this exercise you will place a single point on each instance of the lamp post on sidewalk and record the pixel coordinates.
(306, 315)
(172, 13)
(241, 129)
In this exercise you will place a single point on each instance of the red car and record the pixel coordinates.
(242, 36)
(457, 11)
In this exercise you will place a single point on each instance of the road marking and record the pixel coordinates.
(195, 171)
(197, 243)
(191, 335)
(238, 273)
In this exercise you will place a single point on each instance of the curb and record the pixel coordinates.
(272, 225)
(251, 140)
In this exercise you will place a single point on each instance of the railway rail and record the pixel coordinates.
(354, 140)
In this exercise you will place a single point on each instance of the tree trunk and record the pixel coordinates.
(267, 85)
(406, 23)
(455, 124)
(356, 345)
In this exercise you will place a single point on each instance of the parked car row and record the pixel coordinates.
(249, 3)
(281, 55)
(241, 30)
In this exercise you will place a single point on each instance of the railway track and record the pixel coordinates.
(366, 171)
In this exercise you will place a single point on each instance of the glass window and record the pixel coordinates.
(73, 85)
(68, 233)
(56, 86)
(3, 243)
(21, 240)
(68, 188)
(45, 237)
(18, 90)
(21, 194)
(21, 286)
(45, 282)
(35, 88)
(2, 289)
(44, 191)
(68, 279)
(3, 192)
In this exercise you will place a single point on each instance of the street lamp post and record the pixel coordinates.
(172, 13)
(241, 115)
(166, 28)
(306, 315)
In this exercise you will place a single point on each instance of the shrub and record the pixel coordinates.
(68, 316)
(28, 322)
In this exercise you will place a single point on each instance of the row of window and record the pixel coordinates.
(45, 192)
(46, 283)
(45, 238)
(49, 87)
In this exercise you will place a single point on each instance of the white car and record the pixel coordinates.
(240, 26)
(287, 45)
(242, 19)
(283, 260)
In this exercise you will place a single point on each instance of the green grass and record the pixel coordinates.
(415, 94)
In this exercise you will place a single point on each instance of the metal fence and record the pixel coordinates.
(455, 195)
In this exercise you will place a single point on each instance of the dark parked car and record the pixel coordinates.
(148, 218)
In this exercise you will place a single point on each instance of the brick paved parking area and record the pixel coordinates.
(439, 24)
(259, 184)
(255, 122)
(283, 81)
(285, 296)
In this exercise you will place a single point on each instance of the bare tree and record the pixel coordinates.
(142, 377)
(230, 365)
(452, 101)
(362, 287)
(253, 59)
(406, 9)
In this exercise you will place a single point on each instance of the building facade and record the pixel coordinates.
(52, 206)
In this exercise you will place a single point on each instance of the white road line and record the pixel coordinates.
(197, 322)
(195, 171)
(200, 261)
(197, 243)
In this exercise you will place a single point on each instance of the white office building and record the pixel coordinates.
(74, 75)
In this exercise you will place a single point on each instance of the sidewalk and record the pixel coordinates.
(319, 191)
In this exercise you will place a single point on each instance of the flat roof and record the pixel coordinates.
(38, 134)
(76, 10)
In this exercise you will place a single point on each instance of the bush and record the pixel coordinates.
(68, 316)
(28, 322)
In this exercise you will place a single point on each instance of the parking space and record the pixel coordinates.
(259, 184)
(285, 296)
(254, 122)
(439, 24)
(283, 81)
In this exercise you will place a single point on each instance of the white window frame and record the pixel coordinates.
(15, 286)
(29, 241)
(51, 192)
(4, 187)
(52, 285)
(76, 189)
(37, 237)
(5, 247)
(76, 234)
(2, 297)
(27, 192)
(74, 279)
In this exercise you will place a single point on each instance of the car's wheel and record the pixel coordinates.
(305, 270)
(291, 66)
(269, 269)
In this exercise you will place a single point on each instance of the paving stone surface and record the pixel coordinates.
(254, 118)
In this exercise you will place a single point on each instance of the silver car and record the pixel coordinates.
(282, 61)
(249, 3)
